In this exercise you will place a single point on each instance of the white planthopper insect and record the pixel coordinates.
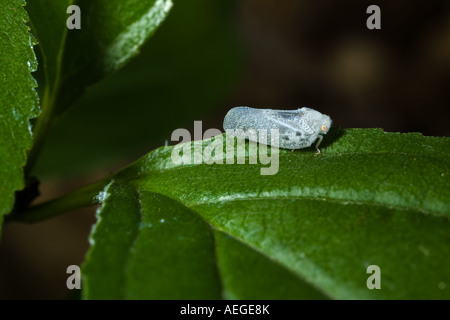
(297, 129)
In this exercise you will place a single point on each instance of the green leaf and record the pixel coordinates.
(188, 67)
(147, 222)
(111, 33)
(18, 99)
(308, 231)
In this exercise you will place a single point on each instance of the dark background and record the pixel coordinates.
(212, 55)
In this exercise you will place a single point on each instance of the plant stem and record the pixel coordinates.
(41, 129)
(83, 197)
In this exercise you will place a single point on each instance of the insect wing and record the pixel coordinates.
(283, 120)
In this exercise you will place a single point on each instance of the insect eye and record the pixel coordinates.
(324, 128)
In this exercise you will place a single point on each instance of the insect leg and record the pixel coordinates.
(320, 137)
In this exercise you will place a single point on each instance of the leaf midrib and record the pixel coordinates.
(59, 59)
(341, 201)
(328, 199)
(60, 56)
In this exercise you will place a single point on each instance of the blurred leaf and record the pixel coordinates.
(18, 99)
(185, 71)
(111, 33)
(309, 231)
